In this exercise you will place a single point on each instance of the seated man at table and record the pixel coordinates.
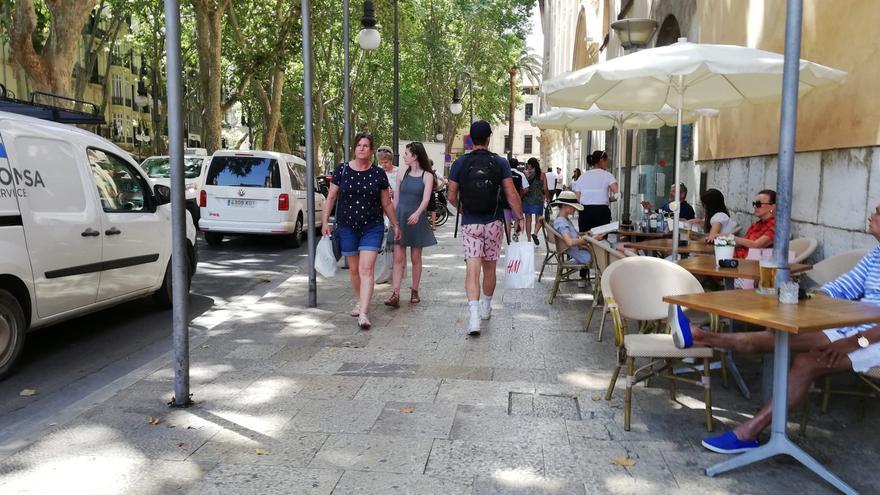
(814, 354)
(687, 211)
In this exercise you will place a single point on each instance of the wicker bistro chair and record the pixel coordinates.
(550, 244)
(823, 272)
(803, 248)
(634, 289)
(603, 256)
(869, 387)
(829, 269)
(565, 265)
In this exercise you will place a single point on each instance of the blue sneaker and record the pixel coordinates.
(680, 326)
(728, 443)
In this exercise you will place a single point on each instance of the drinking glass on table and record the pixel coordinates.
(788, 292)
(767, 278)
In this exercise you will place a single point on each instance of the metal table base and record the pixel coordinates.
(779, 443)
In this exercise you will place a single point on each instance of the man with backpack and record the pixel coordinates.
(477, 183)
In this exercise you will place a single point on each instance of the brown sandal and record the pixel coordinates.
(414, 297)
(394, 300)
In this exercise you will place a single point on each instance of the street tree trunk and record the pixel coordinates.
(50, 67)
(511, 112)
(209, 41)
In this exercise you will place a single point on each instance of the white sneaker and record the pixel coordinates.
(582, 283)
(474, 323)
(485, 309)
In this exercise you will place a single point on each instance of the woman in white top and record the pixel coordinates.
(592, 189)
(717, 221)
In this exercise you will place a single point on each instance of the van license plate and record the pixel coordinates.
(244, 203)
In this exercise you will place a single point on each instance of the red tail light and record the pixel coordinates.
(283, 202)
(203, 199)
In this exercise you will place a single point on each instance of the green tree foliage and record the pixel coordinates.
(250, 51)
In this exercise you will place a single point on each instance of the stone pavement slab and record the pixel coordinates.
(266, 480)
(360, 482)
(373, 453)
(415, 420)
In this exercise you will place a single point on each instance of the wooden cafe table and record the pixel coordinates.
(636, 234)
(747, 269)
(695, 246)
(811, 315)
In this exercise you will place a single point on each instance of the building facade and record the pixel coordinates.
(837, 165)
(526, 143)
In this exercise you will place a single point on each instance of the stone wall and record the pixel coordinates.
(833, 193)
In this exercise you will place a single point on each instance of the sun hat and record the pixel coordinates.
(568, 198)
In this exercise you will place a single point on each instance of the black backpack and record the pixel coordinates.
(480, 183)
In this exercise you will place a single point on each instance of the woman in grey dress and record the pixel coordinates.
(414, 189)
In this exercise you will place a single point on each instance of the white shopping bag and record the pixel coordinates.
(325, 261)
(384, 264)
(519, 272)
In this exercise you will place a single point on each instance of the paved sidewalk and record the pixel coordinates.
(297, 400)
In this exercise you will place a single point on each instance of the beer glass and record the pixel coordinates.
(767, 278)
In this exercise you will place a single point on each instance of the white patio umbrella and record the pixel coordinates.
(684, 76)
(596, 119)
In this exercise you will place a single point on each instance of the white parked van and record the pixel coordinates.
(81, 229)
(256, 192)
(158, 169)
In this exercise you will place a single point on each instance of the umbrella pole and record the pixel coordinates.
(619, 159)
(677, 212)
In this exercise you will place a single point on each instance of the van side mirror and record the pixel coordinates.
(163, 194)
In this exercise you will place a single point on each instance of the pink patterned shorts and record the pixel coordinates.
(482, 240)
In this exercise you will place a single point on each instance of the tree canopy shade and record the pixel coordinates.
(246, 51)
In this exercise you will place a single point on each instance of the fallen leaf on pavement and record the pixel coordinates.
(180, 445)
(596, 398)
(623, 461)
(153, 420)
(27, 392)
(406, 410)
(262, 452)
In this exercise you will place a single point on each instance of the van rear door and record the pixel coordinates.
(243, 188)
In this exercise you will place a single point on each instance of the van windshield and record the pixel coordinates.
(158, 168)
(243, 171)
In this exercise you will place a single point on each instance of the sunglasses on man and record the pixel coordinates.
(758, 204)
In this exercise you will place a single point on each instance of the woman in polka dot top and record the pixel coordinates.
(362, 191)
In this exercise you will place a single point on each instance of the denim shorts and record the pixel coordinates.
(533, 209)
(353, 241)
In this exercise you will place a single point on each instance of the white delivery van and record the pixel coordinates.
(256, 192)
(158, 169)
(81, 229)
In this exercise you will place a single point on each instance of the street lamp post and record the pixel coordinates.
(633, 34)
(369, 39)
(395, 125)
(456, 109)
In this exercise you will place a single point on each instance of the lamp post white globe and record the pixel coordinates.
(369, 39)
(455, 108)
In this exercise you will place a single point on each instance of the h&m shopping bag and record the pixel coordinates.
(519, 272)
